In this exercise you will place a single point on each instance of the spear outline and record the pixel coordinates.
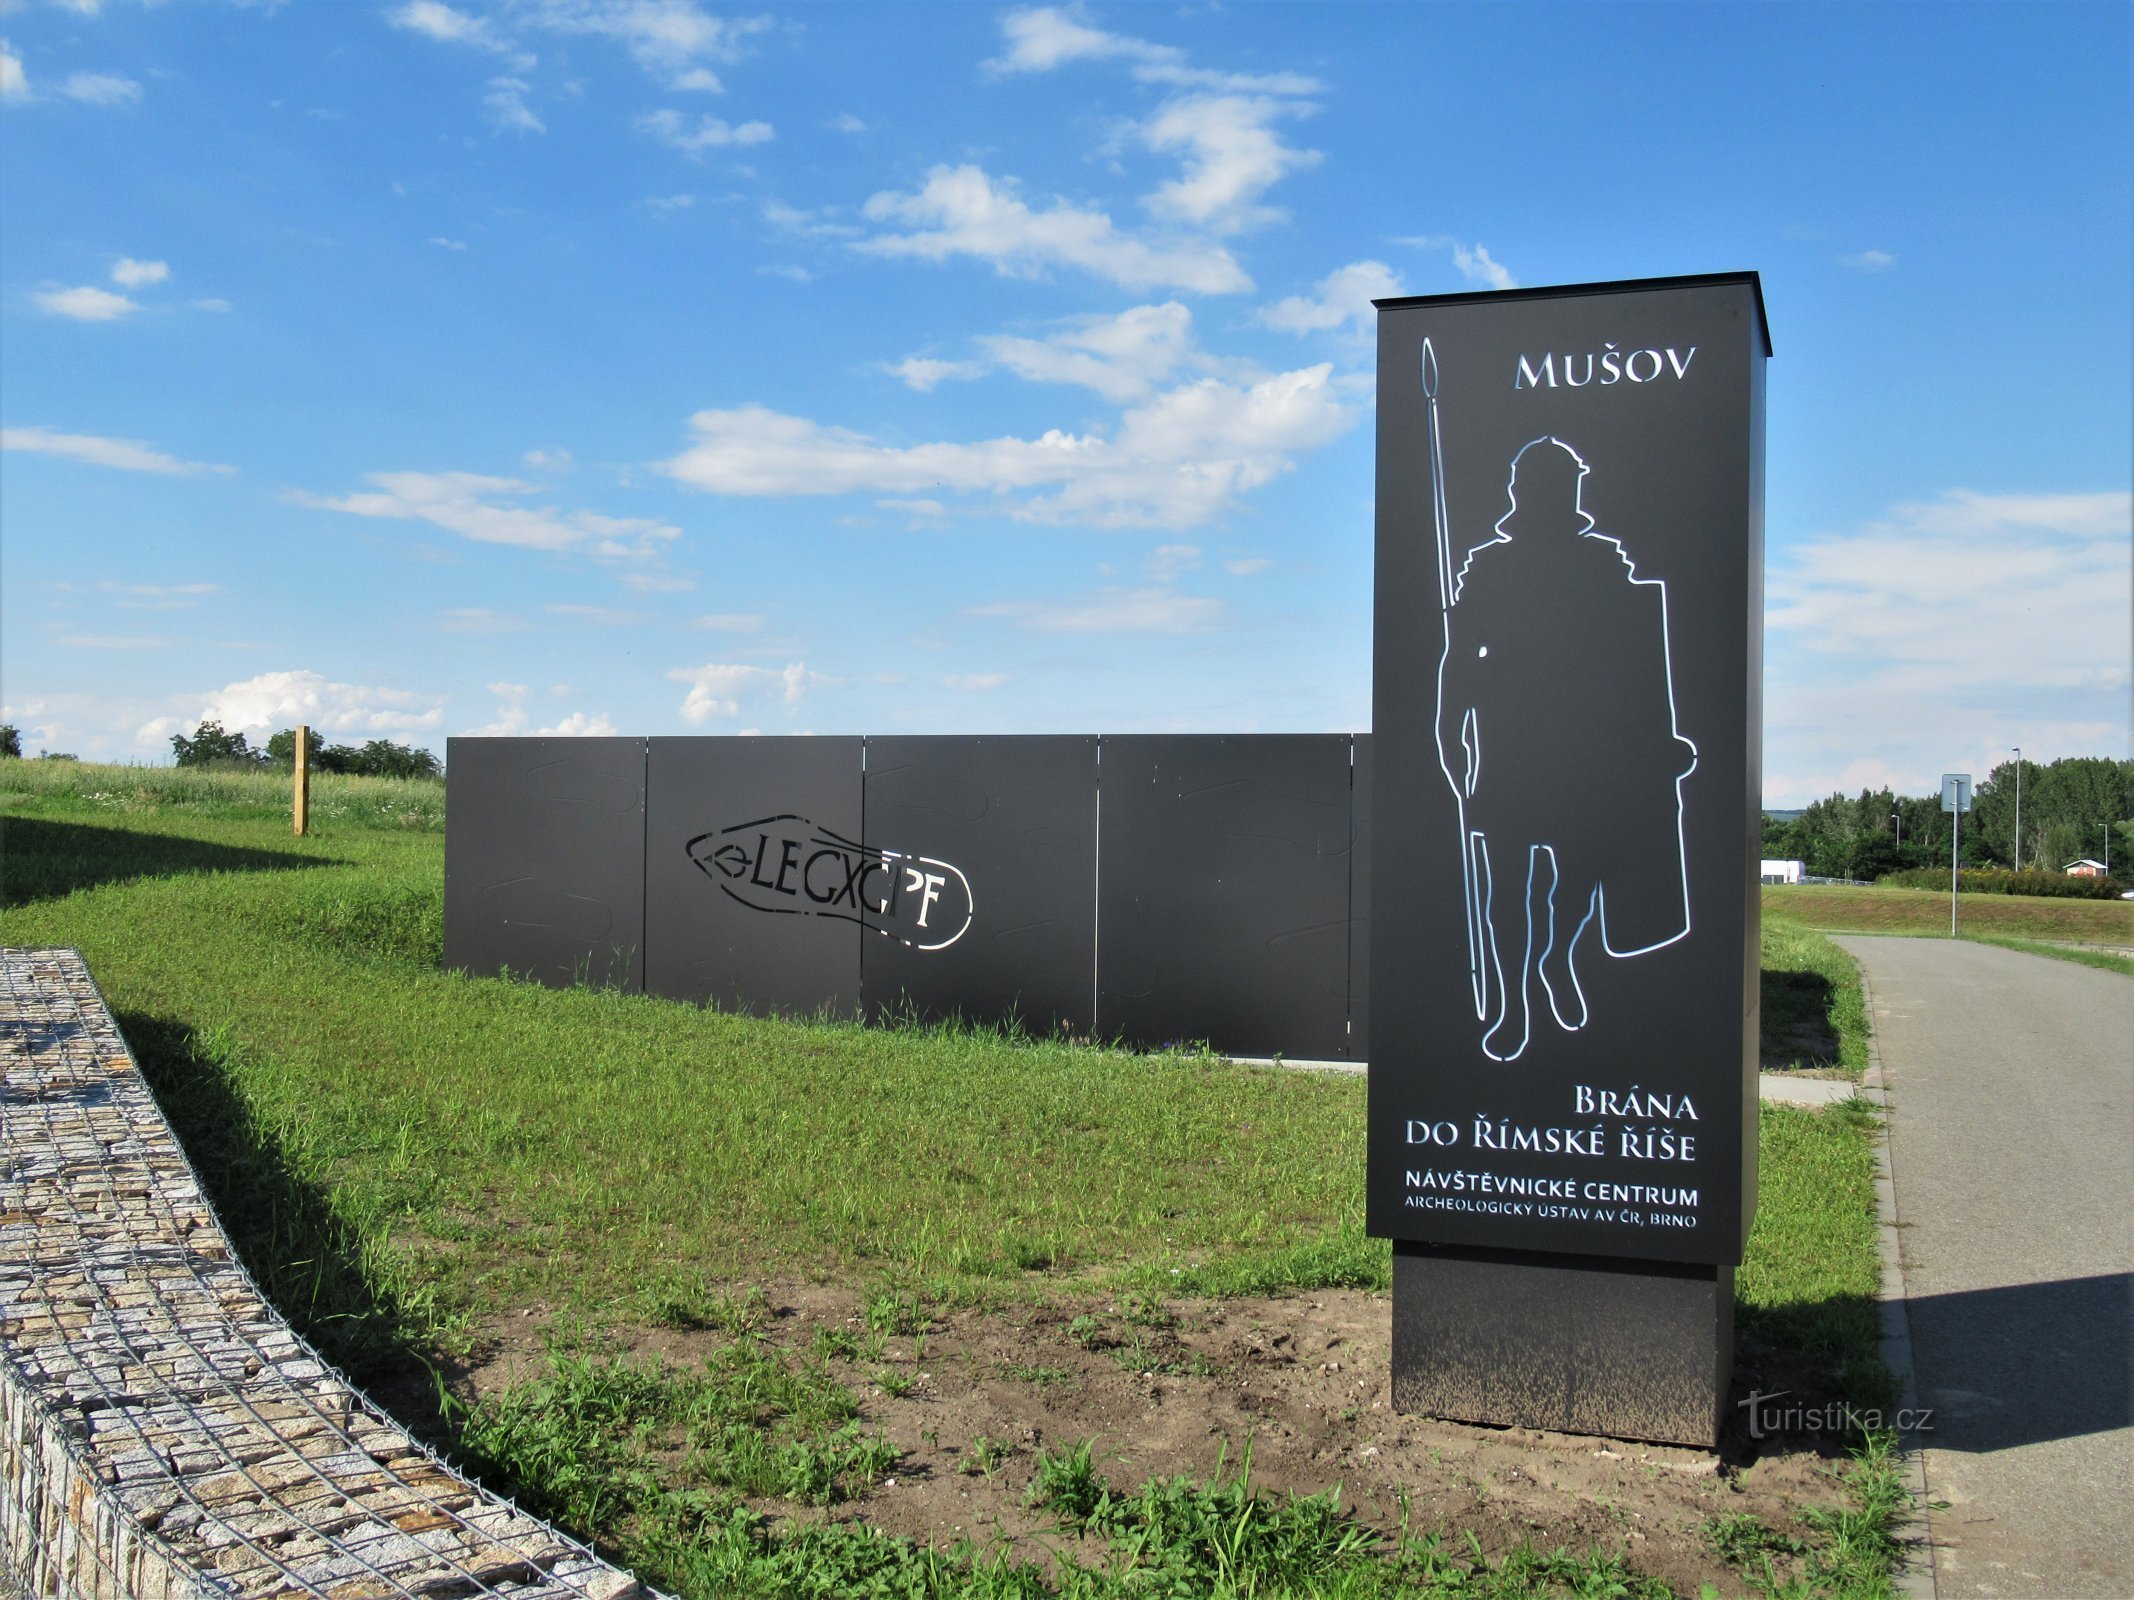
(1441, 532)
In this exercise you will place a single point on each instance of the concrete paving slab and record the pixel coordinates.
(1792, 1089)
(2011, 1091)
(1782, 1086)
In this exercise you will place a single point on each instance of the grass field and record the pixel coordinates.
(1845, 909)
(2102, 960)
(98, 788)
(402, 1152)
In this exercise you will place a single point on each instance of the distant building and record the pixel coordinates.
(2085, 868)
(1785, 871)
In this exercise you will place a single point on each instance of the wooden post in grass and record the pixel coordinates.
(303, 779)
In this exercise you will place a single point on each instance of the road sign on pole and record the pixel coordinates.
(1956, 800)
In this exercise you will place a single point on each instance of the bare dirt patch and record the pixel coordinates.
(972, 1396)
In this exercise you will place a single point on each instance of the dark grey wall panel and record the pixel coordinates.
(1223, 895)
(753, 873)
(1360, 900)
(545, 858)
(991, 848)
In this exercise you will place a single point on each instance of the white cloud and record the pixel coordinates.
(596, 616)
(1044, 37)
(717, 689)
(211, 305)
(512, 720)
(14, 82)
(923, 373)
(1121, 357)
(657, 582)
(791, 274)
(437, 21)
(1870, 260)
(962, 211)
(440, 21)
(731, 621)
(128, 455)
(555, 460)
(974, 682)
(276, 700)
(101, 89)
(580, 726)
(1989, 589)
(1478, 268)
(474, 506)
(84, 304)
(846, 122)
(443, 243)
(808, 224)
(480, 619)
(1179, 459)
(1246, 566)
(1223, 128)
(507, 107)
(1475, 262)
(669, 38)
(1232, 157)
(132, 274)
(1946, 627)
(1151, 610)
(667, 205)
(672, 129)
(672, 39)
(1343, 295)
(1167, 561)
(1041, 38)
(157, 596)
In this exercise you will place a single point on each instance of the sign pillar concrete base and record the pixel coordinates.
(1573, 1343)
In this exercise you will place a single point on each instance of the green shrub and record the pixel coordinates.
(213, 745)
(1995, 880)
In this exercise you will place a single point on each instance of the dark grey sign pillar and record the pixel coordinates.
(1567, 714)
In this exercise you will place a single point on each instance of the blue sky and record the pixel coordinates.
(417, 369)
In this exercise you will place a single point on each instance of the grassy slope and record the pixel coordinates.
(570, 1144)
(390, 1142)
(2102, 960)
(498, 1141)
(1814, 1011)
(1853, 910)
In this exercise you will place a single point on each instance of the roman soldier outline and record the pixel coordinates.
(1556, 732)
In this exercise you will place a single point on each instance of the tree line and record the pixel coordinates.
(2075, 808)
(212, 745)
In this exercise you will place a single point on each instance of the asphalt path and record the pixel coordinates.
(2011, 1089)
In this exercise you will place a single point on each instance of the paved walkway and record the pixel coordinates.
(2011, 1084)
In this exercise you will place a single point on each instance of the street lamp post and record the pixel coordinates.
(2107, 848)
(2018, 808)
(1898, 816)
